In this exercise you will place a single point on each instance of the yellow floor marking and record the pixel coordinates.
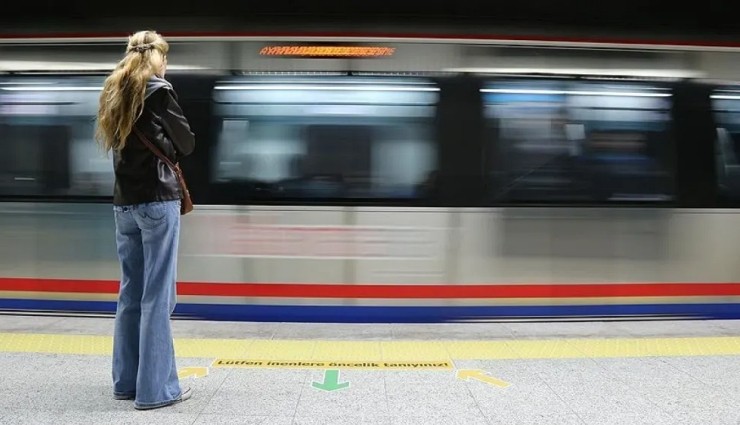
(348, 351)
(547, 349)
(332, 364)
(413, 350)
(396, 351)
(479, 375)
(471, 350)
(56, 344)
(196, 372)
(196, 349)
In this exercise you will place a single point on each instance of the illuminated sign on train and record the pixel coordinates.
(328, 51)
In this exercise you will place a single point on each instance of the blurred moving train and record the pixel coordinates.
(390, 181)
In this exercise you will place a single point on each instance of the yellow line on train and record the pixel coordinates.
(398, 351)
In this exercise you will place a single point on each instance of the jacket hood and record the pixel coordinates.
(155, 83)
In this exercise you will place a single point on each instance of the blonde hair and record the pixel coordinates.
(122, 98)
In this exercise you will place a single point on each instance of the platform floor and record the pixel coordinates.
(56, 370)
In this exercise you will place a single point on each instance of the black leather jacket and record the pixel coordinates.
(140, 176)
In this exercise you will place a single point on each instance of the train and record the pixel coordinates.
(350, 179)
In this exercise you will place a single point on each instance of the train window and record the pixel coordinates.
(47, 129)
(726, 106)
(567, 141)
(35, 160)
(325, 139)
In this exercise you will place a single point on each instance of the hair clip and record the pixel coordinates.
(141, 48)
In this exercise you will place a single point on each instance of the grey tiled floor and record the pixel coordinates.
(71, 389)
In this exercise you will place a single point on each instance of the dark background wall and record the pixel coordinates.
(708, 18)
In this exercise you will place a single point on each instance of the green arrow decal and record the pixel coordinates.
(331, 382)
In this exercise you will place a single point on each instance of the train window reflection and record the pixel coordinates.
(325, 139)
(726, 105)
(35, 159)
(557, 140)
(47, 128)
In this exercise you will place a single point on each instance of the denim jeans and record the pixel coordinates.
(144, 366)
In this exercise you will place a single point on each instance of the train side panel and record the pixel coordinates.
(336, 265)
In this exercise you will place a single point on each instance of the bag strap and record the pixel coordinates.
(154, 150)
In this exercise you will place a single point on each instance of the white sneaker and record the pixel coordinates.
(185, 396)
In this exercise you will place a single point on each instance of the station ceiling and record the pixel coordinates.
(708, 18)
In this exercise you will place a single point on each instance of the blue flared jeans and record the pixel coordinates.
(144, 368)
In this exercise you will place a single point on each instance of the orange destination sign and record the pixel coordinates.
(328, 51)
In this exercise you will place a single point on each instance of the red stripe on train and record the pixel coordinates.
(292, 290)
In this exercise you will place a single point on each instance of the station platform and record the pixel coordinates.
(56, 370)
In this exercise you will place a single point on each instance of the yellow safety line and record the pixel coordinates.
(447, 350)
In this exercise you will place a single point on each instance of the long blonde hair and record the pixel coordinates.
(122, 98)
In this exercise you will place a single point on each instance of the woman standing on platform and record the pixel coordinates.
(139, 107)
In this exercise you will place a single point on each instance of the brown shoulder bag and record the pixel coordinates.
(186, 204)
